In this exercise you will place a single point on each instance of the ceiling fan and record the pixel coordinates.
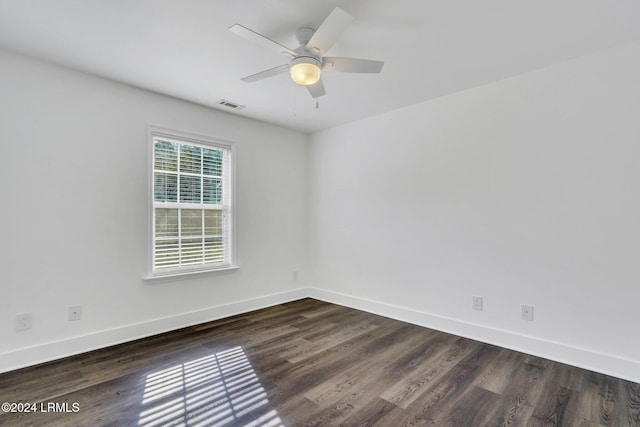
(308, 60)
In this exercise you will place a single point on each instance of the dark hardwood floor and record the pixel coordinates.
(310, 363)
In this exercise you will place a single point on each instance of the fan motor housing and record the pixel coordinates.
(307, 59)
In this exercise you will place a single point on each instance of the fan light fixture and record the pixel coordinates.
(305, 70)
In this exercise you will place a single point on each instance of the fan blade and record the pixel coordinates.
(351, 65)
(316, 90)
(329, 31)
(266, 73)
(260, 39)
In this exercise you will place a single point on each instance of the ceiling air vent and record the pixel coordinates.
(230, 104)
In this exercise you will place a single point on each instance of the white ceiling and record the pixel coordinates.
(430, 47)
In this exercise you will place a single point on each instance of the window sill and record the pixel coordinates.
(188, 274)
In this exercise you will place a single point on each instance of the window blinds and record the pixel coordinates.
(191, 205)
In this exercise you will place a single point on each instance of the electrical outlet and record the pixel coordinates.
(74, 312)
(24, 321)
(477, 303)
(527, 312)
(295, 275)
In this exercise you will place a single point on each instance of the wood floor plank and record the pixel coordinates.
(367, 373)
(375, 413)
(301, 377)
(472, 409)
(438, 364)
(631, 403)
(523, 393)
(443, 395)
(312, 363)
(490, 378)
(337, 337)
(605, 401)
(557, 405)
(349, 393)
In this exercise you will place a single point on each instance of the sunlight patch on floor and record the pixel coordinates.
(215, 390)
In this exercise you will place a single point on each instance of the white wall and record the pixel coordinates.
(73, 164)
(521, 191)
(524, 191)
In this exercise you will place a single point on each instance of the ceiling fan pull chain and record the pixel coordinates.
(295, 103)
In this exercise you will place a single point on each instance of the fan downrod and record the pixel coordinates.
(304, 34)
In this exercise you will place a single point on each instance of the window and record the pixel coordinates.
(192, 203)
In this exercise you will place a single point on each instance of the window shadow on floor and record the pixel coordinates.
(221, 389)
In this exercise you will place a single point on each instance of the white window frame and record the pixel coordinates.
(229, 203)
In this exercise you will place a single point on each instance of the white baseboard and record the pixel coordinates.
(47, 352)
(580, 357)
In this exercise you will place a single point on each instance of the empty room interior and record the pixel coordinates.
(291, 213)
